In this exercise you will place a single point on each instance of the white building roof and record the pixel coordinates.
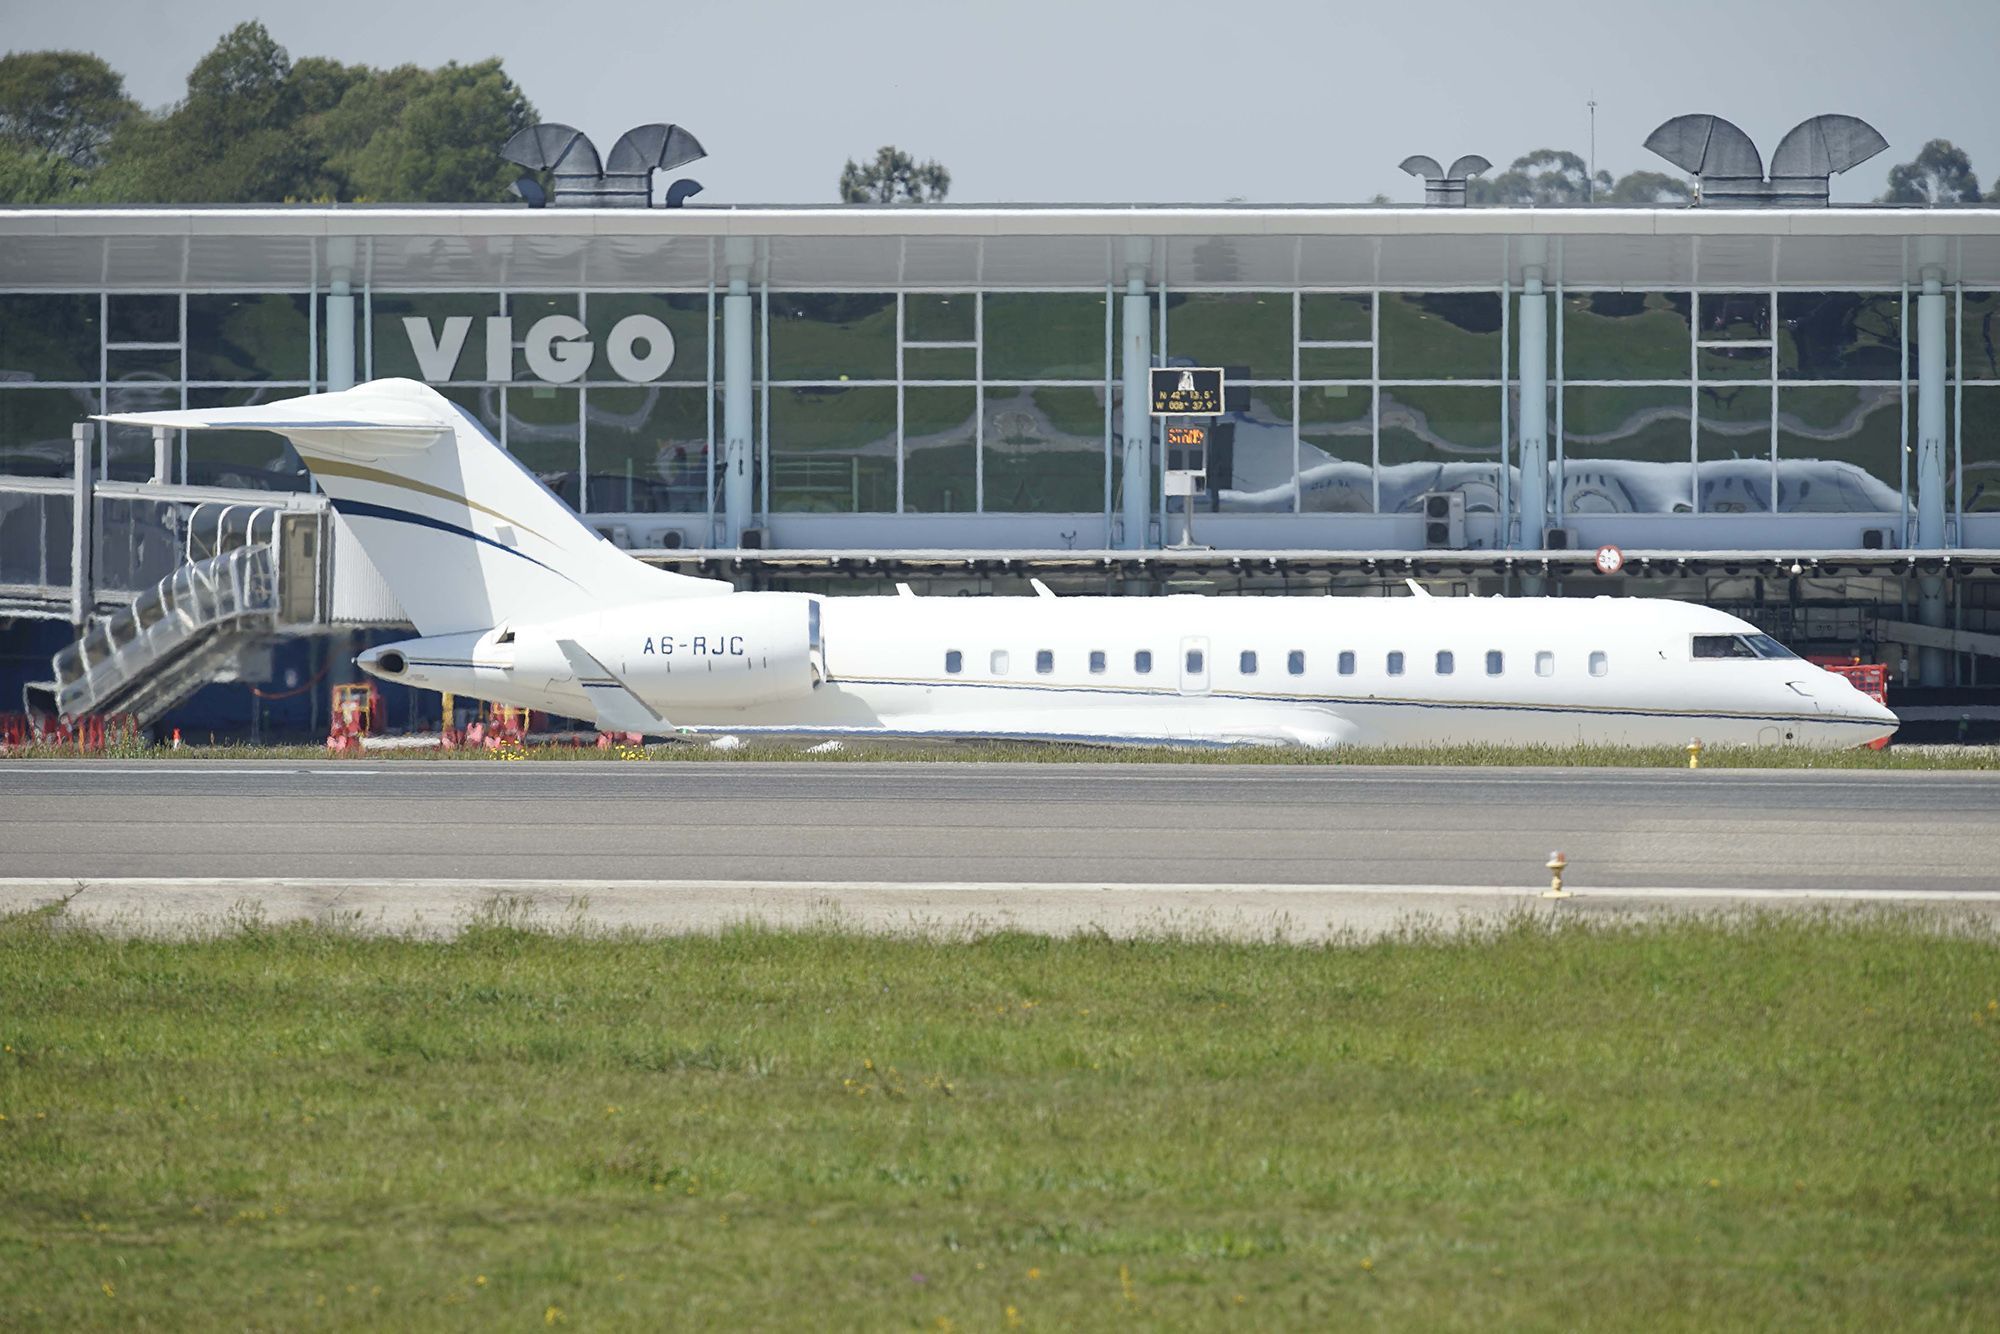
(876, 248)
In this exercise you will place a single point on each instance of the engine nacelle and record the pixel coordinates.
(694, 654)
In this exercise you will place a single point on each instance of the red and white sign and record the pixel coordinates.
(1610, 560)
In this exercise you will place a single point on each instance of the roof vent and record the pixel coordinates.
(1732, 173)
(583, 180)
(1445, 187)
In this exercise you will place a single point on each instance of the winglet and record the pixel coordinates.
(1417, 590)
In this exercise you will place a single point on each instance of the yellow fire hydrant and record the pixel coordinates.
(1694, 753)
(1557, 865)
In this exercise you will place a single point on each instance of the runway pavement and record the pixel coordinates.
(1017, 823)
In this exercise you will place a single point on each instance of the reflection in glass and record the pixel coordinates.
(1441, 336)
(143, 365)
(833, 336)
(35, 429)
(48, 336)
(648, 449)
(128, 453)
(1044, 448)
(543, 432)
(1839, 336)
(145, 319)
(393, 352)
(1839, 449)
(1627, 450)
(1626, 335)
(1337, 449)
(684, 314)
(1733, 446)
(940, 363)
(1733, 363)
(1251, 331)
(1336, 363)
(482, 401)
(1979, 482)
(1978, 340)
(1733, 316)
(1045, 336)
(1336, 317)
(1440, 438)
(1250, 456)
(249, 336)
(940, 317)
(940, 444)
(251, 460)
(833, 451)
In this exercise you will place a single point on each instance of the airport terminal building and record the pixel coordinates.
(1790, 411)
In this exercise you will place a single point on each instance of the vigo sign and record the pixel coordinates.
(558, 350)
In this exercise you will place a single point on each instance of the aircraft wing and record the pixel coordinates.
(1164, 725)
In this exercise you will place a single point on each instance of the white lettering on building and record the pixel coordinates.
(558, 351)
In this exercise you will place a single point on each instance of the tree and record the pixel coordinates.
(1646, 187)
(62, 103)
(431, 134)
(1545, 178)
(1940, 174)
(893, 176)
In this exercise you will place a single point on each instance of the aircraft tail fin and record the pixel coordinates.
(465, 536)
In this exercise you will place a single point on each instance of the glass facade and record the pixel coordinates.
(937, 402)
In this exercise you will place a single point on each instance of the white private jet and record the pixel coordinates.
(517, 601)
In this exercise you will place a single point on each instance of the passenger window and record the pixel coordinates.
(1246, 662)
(1496, 662)
(1545, 663)
(1194, 660)
(1599, 664)
(1347, 663)
(954, 662)
(1295, 663)
(1097, 662)
(1396, 662)
(1045, 661)
(999, 662)
(1445, 663)
(1142, 661)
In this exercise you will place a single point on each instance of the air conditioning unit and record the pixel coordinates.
(1559, 539)
(671, 539)
(1444, 519)
(752, 540)
(1878, 539)
(617, 534)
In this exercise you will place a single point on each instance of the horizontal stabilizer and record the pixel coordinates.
(618, 709)
(384, 417)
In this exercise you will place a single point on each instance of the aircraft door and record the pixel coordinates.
(1194, 665)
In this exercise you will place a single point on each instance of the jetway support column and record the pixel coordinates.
(1932, 476)
(737, 372)
(1534, 383)
(83, 515)
(1135, 491)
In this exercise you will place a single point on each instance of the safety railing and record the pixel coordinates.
(235, 589)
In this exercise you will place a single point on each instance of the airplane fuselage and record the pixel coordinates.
(1179, 670)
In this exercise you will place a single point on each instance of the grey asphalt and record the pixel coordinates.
(998, 824)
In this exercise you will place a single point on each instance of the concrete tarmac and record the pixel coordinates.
(999, 823)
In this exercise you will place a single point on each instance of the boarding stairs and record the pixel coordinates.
(242, 585)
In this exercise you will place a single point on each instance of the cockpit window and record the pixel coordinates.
(1740, 646)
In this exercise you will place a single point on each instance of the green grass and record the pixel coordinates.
(696, 751)
(1772, 1124)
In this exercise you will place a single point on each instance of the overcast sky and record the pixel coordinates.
(1113, 101)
